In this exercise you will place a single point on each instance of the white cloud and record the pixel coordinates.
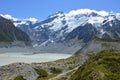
(33, 20)
(87, 11)
(79, 11)
(118, 14)
(103, 13)
(7, 16)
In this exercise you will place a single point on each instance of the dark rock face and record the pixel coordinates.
(85, 33)
(9, 33)
(112, 29)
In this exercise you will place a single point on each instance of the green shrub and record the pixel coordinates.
(55, 70)
(42, 73)
(70, 67)
(20, 77)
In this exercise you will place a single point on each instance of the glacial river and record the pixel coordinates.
(8, 58)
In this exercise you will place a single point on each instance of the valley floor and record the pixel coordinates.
(27, 57)
(62, 67)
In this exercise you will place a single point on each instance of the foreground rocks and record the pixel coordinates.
(28, 71)
(9, 72)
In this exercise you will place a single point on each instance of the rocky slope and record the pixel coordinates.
(98, 45)
(9, 72)
(12, 36)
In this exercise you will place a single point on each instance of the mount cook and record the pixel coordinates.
(69, 32)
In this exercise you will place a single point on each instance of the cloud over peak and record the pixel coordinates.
(7, 16)
(87, 11)
(33, 20)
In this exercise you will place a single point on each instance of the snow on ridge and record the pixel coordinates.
(20, 23)
(110, 18)
(59, 13)
(25, 21)
(93, 20)
(72, 21)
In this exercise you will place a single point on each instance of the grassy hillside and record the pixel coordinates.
(103, 66)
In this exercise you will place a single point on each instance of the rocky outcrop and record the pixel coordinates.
(9, 72)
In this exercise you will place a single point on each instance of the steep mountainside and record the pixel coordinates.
(9, 34)
(85, 33)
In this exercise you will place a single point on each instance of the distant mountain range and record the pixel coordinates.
(68, 32)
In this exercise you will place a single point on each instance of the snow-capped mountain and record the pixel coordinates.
(71, 30)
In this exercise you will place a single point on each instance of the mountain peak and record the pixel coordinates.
(59, 13)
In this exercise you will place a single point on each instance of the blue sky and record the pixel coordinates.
(40, 9)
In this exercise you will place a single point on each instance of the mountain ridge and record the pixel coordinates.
(59, 28)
